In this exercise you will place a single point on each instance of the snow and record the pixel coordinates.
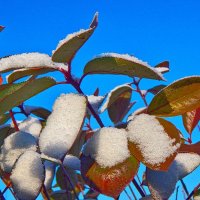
(124, 56)
(108, 147)
(155, 145)
(95, 102)
(29, 60)
(162, 69)
(135, 113)
(69, 37)
(15, 145)
(28, 176)
(162, 184)
(31, 125)
(72, 162)
(110, 94)
(49, 173)
(63, 125)
(186, 163)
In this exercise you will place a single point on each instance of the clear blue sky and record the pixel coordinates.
(153, 31)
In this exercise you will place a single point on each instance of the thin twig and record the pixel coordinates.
(177, 192)
(193, 192)
(13, 120)
(138, 188)
(45, 192)
(138, 178)
(68, 178)
(1, 196)
(184, 187)
(127, 194)
(132, 192)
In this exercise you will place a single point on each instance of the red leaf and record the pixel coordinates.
(1, 80)
(191, 119)
(190, 148)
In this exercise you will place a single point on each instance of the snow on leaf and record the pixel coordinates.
(28, 60)
(163, 67)
(95, 102)
(15, 145)
(124, 64)
(28, 176)
(49, 173)
(31, 125)
(162, 184)
(72, 162)
(63, 125)
(108, 147)
(150, 139)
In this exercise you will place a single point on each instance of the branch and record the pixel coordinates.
(13, 120)
(193, 192)
(138, 188)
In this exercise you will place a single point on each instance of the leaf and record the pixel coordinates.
(190, 148)
(4, 118)
(121, 65)
(4, 133)
(12, 95)
(148, 150)
(27, 178)
(62, 195)
(38, 111)
(66, 122)
(1, 28)
(156, 89)
(177, 98)
(163, 67)
(62, 180)
(191, 119)
(68, 47)
(109, 181)
(1, 80)
(21, 73)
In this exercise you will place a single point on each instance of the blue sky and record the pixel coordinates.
(153, 31)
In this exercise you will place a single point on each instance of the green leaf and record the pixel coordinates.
(121, 65)
(4, 118)
(21, 73)
(41, 112)
(66, 50)
(191, 119)
(12, 95)
(176, 99)
(163, 67)
(156, 89)
(63, 182)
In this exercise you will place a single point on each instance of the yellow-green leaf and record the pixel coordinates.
(118, 64)
(12, 95)
(21, 73)
(4, 118)
(177, 98)
(68, 47)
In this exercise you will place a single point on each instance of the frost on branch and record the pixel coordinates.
(15, 145)
(108, 147)
(162, 184)
(28, 176)
(63, 125)
(152, 140)
(28, 60)
(31, 125)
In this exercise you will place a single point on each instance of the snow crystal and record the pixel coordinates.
(28, 176)
(106, 104)
(63, 125)
(29, 60)
(49, 173)
(147, 133)
(186, 163)
(31, 125)
(72, 162)
(95, 102)
(69, 37)
(14, 145)
(108, 147)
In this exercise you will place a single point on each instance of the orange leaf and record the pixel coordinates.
(1, 80)
(109, 181)
(191, 119)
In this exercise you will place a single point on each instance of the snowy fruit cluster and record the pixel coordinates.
(61, 144)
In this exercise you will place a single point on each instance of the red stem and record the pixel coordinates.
(13, 120)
